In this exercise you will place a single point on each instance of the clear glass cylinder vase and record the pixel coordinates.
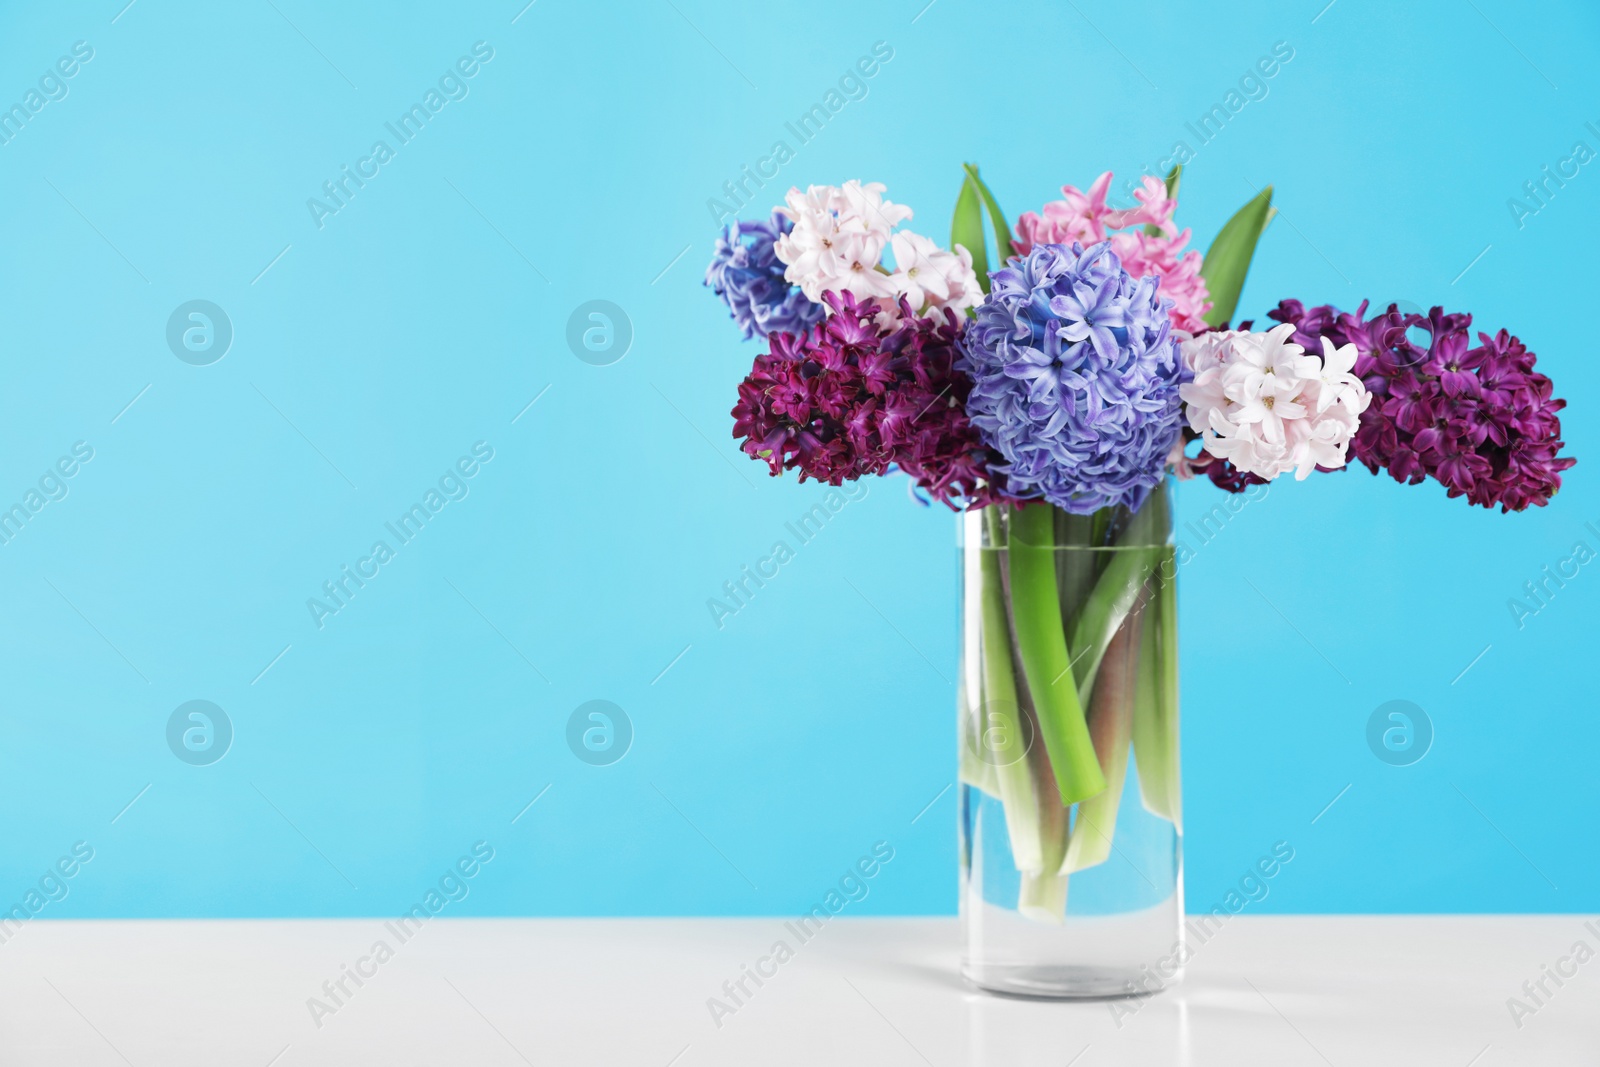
(1070, 808)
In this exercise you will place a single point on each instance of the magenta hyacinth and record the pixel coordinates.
(1477, 419)
(844, 400)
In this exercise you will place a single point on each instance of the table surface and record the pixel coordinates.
(1315, 990)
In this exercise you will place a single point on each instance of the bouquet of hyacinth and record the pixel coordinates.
(1049, 397)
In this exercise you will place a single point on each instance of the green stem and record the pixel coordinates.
(1132, 560)
(1155, 717)
(1111, 714)
(1042, 895)
(1042, 649)
(972, 768)
(1077, 566)
(1100, 525)
(1149, 734)
(1000, 736)
(1167, 691)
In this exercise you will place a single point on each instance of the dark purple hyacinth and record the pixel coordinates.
(1479, 420)
(843, 401)
(746, 273)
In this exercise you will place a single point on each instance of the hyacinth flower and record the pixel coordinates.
(1264, 405)
(836, 243)
(1076, 378)
(746, 273)
(1077, 375)
(847, 399)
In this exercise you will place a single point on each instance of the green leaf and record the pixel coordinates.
(1174, 179)
(997, 218)
(1228, 260)
(966, 229)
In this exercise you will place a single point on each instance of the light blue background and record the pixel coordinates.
(426, 314)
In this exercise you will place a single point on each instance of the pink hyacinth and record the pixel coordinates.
(1085, 217)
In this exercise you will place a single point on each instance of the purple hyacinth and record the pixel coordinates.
(846, 399)
(746, 273)
(1075, 378)
(1479, 420)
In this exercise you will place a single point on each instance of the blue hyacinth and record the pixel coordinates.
(746, 273)
(1075, 378)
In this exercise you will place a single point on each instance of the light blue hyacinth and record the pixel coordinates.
(1075, 378)
(746, 273)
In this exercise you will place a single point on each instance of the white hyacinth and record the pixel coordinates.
(929, 277)
(840, 235)
(1263, 403)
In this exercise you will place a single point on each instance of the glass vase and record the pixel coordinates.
(1070, 816)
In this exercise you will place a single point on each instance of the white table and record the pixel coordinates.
(1357, 991)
